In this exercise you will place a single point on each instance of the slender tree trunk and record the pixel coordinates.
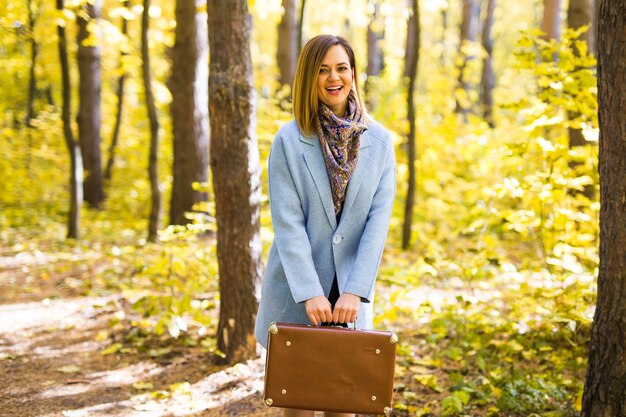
(551, 24)
(34, 51)
(236, 175)
(120, 102)
(76, 168)
(49, 96)
(582, 13)
(375, 61)
(469, 32)
(375, 29)
(90, 83)
(153, 162)
(190, 109)
(410, 71)
(444, 28)
(301, 25)
(287, 50)
(605, 386)
(487, 80)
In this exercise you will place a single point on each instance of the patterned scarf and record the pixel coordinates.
(340, 141)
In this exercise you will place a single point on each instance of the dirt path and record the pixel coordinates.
(51, 364)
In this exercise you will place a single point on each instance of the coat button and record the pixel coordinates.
(337, 239)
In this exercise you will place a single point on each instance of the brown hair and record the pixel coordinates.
(304, 92)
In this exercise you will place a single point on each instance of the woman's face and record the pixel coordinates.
(334, 80)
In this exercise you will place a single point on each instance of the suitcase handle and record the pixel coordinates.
(337, 326)
(273, 329)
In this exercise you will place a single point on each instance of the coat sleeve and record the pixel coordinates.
(369, 253)
(288, 220)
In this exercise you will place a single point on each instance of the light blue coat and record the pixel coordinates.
(309, 246)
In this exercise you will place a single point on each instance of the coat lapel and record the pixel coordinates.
(357, 176)
(315, 162)
(317, 167)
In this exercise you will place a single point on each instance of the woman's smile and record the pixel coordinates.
(335, 90)
(334, 80)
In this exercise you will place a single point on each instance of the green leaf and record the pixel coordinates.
(463, 396)
(452, 404)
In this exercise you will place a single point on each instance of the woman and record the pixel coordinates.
(331, 186)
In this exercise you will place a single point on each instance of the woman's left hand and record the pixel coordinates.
(346, 308)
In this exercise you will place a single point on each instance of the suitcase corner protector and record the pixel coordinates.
(268, 402)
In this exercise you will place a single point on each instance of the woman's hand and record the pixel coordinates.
(346, 308)
(318, 309)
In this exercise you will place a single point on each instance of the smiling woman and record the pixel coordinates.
(331, 185)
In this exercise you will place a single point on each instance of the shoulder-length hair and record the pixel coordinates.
(304, 91)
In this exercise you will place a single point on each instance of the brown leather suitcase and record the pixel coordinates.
(330, 369)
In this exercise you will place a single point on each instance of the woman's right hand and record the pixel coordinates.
(318, 309)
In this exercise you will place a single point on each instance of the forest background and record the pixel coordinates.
(493, 289)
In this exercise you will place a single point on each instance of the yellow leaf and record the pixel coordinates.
(102, 336)
(69, 369)
(143, 385)
(428, 380)
(578, 405)
(419, 370)
(115, 347)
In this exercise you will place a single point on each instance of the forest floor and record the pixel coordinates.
(61, 354)
(53, 360)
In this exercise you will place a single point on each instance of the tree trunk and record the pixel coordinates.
(301, 25)
(487, 80)
(236, 175)
(469, 32)
(120, 102)
(410, 71)
(375, 33)
(32, 76)
(190, 107)
(76, 168)
(444, 28)
(287, 51)
(49, 96)
(605, 385)
(375, 61)
(153, 162)
(90, 83)
(582, 13)
(551, 24)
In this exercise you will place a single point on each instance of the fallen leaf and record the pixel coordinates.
(143, 385)
(69, 369)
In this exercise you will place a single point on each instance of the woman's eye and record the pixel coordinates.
(323, 71)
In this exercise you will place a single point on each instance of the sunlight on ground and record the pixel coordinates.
(232, 384)
(27, 326)
(123, 376)
(47, 313)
